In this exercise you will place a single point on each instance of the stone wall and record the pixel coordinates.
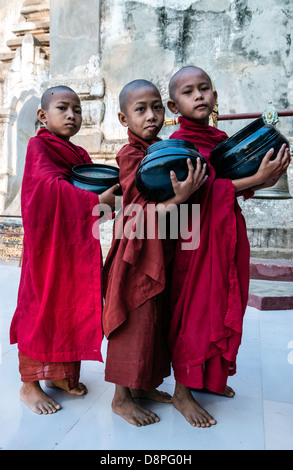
(96, 47)
(24, 65)
(244, 45)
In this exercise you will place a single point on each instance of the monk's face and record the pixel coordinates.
(63, 116)
(194, 97)
(144, 114)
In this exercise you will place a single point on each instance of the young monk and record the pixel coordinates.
(57, 322)
(210, 284)
(136, 272)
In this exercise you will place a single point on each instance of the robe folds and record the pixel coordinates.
(210, 283)
(58, 313)
(34, 371)
(134, 279)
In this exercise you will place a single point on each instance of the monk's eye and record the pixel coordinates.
(140, 109)
(78, 111)
(61, 107)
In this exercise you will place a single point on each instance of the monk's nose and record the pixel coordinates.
(70, 115)
(198, 95)
(151, 116)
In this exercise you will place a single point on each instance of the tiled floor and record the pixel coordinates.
(260, 416)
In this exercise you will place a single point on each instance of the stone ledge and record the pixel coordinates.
(272, 253)
(271, 269)
(270, 303)
(271, 295)
(271, 284)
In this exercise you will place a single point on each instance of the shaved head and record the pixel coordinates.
(129, 88)
(48, 94)
(181, 73)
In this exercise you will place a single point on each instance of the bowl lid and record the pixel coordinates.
(172, 148)
(170, 143)
(93, 173)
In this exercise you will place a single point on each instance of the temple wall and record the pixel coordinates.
(97, 46)
(244, 45)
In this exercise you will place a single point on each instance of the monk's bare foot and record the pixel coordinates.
(229, 392)
(80, 389)
(191, 410)
(124, 405)
(154, 395)
(37, 400)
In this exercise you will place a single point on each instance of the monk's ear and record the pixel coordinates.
(172, 106)
(123, 119)
(42, 116)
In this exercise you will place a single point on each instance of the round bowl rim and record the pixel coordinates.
(237, 137)
(94, 180)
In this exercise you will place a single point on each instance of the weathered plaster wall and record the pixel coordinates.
(98, 46)
(245, 46)
(76, 37)
(74, 34)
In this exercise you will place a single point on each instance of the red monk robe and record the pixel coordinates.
(134, 280)
(58, 314)
(210, 283)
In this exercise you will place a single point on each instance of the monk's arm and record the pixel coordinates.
(184, 189)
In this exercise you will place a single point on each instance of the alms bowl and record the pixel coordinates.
(153, 173)
(241, 155)
(95, 177)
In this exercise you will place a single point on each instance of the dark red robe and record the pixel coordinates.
(134, 281)
(210, 283)
(58, 314)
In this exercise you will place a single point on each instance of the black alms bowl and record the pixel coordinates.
(153, 173)
(95, 177)
(241, 155)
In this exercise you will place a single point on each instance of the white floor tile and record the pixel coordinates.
(258, 417)
(278, 419)
(277, 376)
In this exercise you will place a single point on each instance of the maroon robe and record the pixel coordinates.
(134, 279)
(34, 371)
(210, 283)
(58, 314)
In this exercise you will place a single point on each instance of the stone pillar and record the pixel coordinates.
(21, 93)
(21, 71)
(75, 61)
(5, 118)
